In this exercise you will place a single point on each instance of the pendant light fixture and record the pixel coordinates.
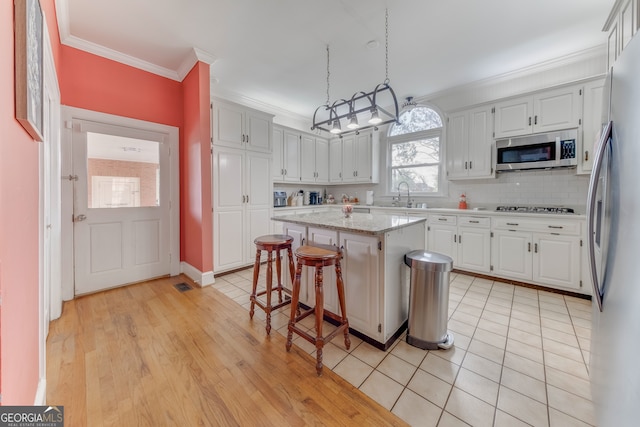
(327, 117)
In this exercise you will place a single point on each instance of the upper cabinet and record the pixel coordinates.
(591, 124)
(469, 144)
(299, 157)
(359, 160)
(621, 26)
(240, 127)
(314, 159)
(546, 111)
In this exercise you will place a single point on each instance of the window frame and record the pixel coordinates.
(416, 136)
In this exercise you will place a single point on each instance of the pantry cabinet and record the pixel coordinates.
(236, 126)
(242, 204)
(469, 145)
(543, 112)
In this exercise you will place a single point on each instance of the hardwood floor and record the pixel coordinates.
(148, 355)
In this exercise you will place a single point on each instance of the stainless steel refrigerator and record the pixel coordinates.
(613, 218)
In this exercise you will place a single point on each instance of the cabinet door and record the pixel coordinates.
(277, 156)
(557, 260)
(474, 249)
(443, 239)
(557, 109)
(627, 22)
(511, 254)
(291, 156)
(258, 132)
(363, 158)
(457, 147)
(324, 237)
(322, 161)
(480, 142)
(361, 275)
(348, 159)
(259, 200)
(299, 234)
(307, 158)
(228, 208)
(335, 161)
(228, 125)
(591, 124)
(513, 117)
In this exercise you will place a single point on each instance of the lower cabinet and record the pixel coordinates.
(546, 258)
(443, 235)
(321, 236)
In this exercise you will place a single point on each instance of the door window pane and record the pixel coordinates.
(122, 172)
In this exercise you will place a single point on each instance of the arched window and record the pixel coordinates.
(415, 151)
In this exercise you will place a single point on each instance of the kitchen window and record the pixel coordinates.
(415, 151)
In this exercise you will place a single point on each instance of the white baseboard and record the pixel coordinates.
(202, 279)
(41, 393)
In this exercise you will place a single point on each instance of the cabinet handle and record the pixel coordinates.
(465, 165)
(535, 121)
(442, 219)
(474, 222)
(247, 198)
(586, 156)
(243, 137)
(529, 120)
(460, 238)
(247, 138)
(285, 171)
(454, 238)
(529, 247)
(515, 224)
(555, 226)
(535, 248)
(470, 164)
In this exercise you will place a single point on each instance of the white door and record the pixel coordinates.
(512, 254)
(121, 230)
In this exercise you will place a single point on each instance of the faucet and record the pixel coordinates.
(408, 195)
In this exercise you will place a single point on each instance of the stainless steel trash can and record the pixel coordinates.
(429, 300)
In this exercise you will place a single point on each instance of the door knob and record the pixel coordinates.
(80, 218)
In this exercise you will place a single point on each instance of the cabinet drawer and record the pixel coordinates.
(442, 219)
(552, 225)
(474, 221)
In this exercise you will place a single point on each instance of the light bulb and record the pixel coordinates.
(375, 118)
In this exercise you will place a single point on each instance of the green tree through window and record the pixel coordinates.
(415, 150)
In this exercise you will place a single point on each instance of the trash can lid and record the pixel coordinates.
(428, 261)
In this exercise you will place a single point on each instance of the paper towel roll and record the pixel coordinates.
(369, 198)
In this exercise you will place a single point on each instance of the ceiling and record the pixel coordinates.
(273, 53)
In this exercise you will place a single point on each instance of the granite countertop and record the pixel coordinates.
(364, 223)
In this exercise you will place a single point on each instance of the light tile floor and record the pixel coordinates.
(520, 358)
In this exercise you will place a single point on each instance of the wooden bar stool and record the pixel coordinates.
(318, 256)
(270, 243)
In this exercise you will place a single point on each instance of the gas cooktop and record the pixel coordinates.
(535, 209)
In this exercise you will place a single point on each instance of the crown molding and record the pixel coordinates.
(67, 39)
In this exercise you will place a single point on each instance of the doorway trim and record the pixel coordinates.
(69, 114)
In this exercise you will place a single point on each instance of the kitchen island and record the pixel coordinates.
(375, 277)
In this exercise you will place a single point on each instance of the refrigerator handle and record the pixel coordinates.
(591, 203)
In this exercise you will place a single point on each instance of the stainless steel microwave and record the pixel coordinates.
(538, 151)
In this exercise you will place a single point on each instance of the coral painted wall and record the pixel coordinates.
(94, 83)
(19, 183)
(196, 241)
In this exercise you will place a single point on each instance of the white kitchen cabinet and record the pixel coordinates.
(360, 158)
(314, 159)
(242, 204)
(335, 161)
(299, 234)
(556, 260)
(543, 252)
(240, 127)
(322, 236)
(591, 124)
(542, 112)
(361, 276)
(286, 155)
(443, 235)
(469, 144)
(474, 243)
(621, 25)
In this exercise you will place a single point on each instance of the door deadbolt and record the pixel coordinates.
(80, 218)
